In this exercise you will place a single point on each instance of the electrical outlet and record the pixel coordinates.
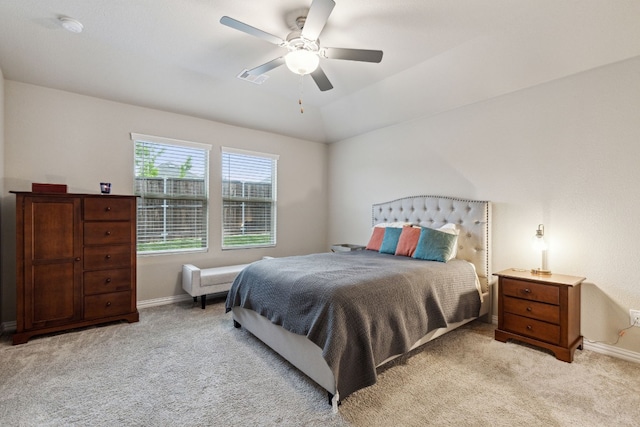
(634, 317)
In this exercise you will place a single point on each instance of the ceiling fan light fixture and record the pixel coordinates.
(303, 44)
(302, 61)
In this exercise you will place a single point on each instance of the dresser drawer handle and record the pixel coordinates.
(108, 304)
(107, 209)
(108, 280)
(528, 308)
(527, 290)
(108, 233)
(529, 327)
(108, 257)
(78, 258)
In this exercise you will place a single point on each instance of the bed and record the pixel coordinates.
(337, 317)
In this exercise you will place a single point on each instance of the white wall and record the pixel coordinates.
(564, 153)
(60, 137)
(2, 249)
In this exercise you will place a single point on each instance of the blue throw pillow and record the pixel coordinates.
(434, 245)
(390, 240)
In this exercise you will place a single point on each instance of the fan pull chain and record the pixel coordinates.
(301, 95)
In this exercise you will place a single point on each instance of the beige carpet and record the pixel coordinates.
(182, 366)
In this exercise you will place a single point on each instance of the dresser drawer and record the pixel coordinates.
(107, 208)
(107, 257)
(536, 310)
(532, 328)
(530, 291)
(104, 233)
(107, 305)
(105, 281)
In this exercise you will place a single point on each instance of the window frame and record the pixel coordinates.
(273, 200)
(205, 198)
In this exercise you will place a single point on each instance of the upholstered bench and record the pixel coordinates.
(200, 282)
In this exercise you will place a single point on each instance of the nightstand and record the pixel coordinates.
(346, 247)
(542, 310)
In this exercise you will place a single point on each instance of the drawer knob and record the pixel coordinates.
(108, 233)
(108, 304)
(527, 290)
(528, 308)
(107, 209)
(108, 280)
(529, 327)
(108, 257)
(78, 258)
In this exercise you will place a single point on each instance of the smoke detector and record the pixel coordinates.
(70, 24)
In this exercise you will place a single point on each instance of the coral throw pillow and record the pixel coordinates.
(376, 239)
(408, 241)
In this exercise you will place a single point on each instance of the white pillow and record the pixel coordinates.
(450, 228)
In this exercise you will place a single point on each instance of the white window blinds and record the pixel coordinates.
(248, 199)
(171, 178)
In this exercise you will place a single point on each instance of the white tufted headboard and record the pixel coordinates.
(472, 216)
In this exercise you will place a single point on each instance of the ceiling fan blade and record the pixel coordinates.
(245, 28)
(261, 69)
(317, 18)
(363, 55)
(321, 80)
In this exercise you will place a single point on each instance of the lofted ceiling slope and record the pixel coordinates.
(438, 55)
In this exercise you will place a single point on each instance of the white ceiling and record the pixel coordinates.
(174, 55)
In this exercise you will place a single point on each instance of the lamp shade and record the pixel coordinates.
(302, 61)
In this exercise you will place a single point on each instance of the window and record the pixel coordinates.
(248, 199)
(171, 178)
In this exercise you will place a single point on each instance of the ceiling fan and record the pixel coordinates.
(304, 46)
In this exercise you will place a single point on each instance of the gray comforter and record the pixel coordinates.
(359, 307)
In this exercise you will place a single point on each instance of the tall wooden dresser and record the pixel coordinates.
(75, 261)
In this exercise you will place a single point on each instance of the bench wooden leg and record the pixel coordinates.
(203, 301)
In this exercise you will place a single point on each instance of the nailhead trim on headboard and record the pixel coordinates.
(472, 216)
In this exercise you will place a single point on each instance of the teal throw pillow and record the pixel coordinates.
(390, 240)
(434, 245)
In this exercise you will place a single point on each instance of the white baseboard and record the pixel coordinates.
(9, 327)
(163, 301)
(610, 350)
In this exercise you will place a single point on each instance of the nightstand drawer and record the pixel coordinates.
(530, 291)
(535, 310)
(532, 328)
